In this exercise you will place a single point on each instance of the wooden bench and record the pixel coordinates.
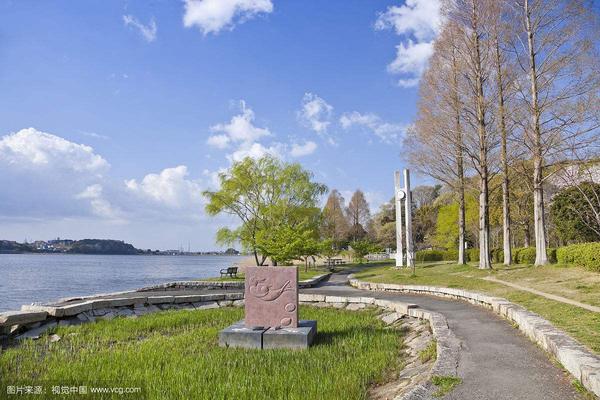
(231, 271)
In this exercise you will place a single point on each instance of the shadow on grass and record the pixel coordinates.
(329, 338)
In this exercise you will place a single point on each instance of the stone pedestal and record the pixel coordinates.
(291, 338)
(237, 335)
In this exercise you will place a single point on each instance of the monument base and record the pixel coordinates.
(237, 335)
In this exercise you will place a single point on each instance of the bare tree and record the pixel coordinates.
(358, 215)
(436, 139)
(473, 19)
(500, 32)
(334, 225)
(555, 49)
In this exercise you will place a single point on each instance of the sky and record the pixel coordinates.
(116, 115)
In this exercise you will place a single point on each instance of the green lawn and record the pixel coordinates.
(571, 282)
(302, 275)
(174, 355)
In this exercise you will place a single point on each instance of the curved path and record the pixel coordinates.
(496, 361)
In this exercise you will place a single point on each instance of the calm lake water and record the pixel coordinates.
(27, 278)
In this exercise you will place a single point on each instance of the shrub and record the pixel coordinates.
(472, 254)
(430, 255)
(525, 255)
(497, 255)
(450, 255)
(585, 255)
(551, 251)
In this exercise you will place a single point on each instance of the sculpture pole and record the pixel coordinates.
(410, 259)
(399, 195)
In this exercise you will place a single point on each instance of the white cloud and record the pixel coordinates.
(419, 23)
(411, 59)
(315, 113)
(30, 148)
(300, 150)
(169, 188)
(218, 141)
(148, 31)
(386, 131)
(244, 137)
(240, 129)
(95, 135)
(212, 16)
(257, 150)
(421, 18)
(100, 206)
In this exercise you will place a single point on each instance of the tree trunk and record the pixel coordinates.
(527, 236)
(539, 223)
(539, 219)
(484, 226)
(461, 226)
(256, 258)
(460, 167)
(504, 159)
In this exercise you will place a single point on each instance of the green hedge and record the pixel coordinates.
(430, 255)
(497, 255)
(585, 255)
(451, 255)
(520, 255)
(437, 255)
(473, 254)
(551, 252)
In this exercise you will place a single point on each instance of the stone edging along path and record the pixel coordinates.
(573, 356)
(182, 285)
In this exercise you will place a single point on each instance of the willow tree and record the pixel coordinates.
(556, 45)
(436, 139)
(276, 203)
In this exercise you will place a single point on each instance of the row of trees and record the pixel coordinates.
(511, 92)
(277, 204)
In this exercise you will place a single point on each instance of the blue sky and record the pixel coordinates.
(115, 115)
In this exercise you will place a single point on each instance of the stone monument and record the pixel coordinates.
(271, 312)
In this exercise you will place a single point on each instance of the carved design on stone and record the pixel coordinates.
(271, 297)
(262, 289)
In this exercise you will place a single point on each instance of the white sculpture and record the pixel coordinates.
(403, 194)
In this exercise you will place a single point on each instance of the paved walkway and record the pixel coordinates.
(544, 294)
(496, 361)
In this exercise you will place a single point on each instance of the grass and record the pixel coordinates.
(429, 352)
(582, 324)
(306, 274)
(174, 355)
(445, 384)
(302, 275)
